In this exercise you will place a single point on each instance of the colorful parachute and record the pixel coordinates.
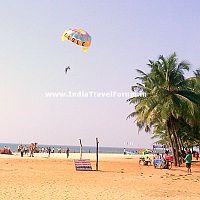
(78, 36)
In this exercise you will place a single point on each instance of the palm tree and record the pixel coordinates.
(192, 126)
(167, 99)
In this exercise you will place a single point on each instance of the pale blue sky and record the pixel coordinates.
(125, 34)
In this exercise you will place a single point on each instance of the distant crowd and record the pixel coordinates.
(25, 150)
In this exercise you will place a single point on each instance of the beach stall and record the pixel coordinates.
(144, 151)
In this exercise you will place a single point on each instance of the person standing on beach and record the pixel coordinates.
(67, 152)
(196, 155)
(49, 151)
(18, 148)
(59, 150)
(188, 161)
(124, 151)
(25, 150)
(22, 151)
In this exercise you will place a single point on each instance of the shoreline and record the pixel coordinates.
(91, 156)
(75, 149)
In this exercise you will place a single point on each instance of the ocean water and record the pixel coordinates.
(74, 149)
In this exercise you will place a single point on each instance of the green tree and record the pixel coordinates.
(167, 99)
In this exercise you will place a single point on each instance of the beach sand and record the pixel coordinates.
(120, 178)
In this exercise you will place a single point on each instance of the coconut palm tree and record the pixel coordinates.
(192, 126)
(167, 98)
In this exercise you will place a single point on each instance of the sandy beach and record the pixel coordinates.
(119, 177)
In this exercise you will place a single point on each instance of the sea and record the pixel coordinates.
(74, 149)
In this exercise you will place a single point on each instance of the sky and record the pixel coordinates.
(125, 35)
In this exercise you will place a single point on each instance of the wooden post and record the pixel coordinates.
(81, 147)
(97, 155)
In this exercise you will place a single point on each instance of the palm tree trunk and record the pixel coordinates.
(168, 125)
(177, 148)
(182, 146)
(179, 152)
(173, 149)
(176, 145)
(179, 143)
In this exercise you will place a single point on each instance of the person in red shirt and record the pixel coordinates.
(196, 155)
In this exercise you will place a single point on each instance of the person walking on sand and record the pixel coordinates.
(188, 161)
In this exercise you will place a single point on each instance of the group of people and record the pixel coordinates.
(24, 150)
(49, 151)
(165, 160)
(185, 157)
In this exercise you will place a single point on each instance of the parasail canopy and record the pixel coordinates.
(77, 36)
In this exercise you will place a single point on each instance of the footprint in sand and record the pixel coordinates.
(172, 174)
